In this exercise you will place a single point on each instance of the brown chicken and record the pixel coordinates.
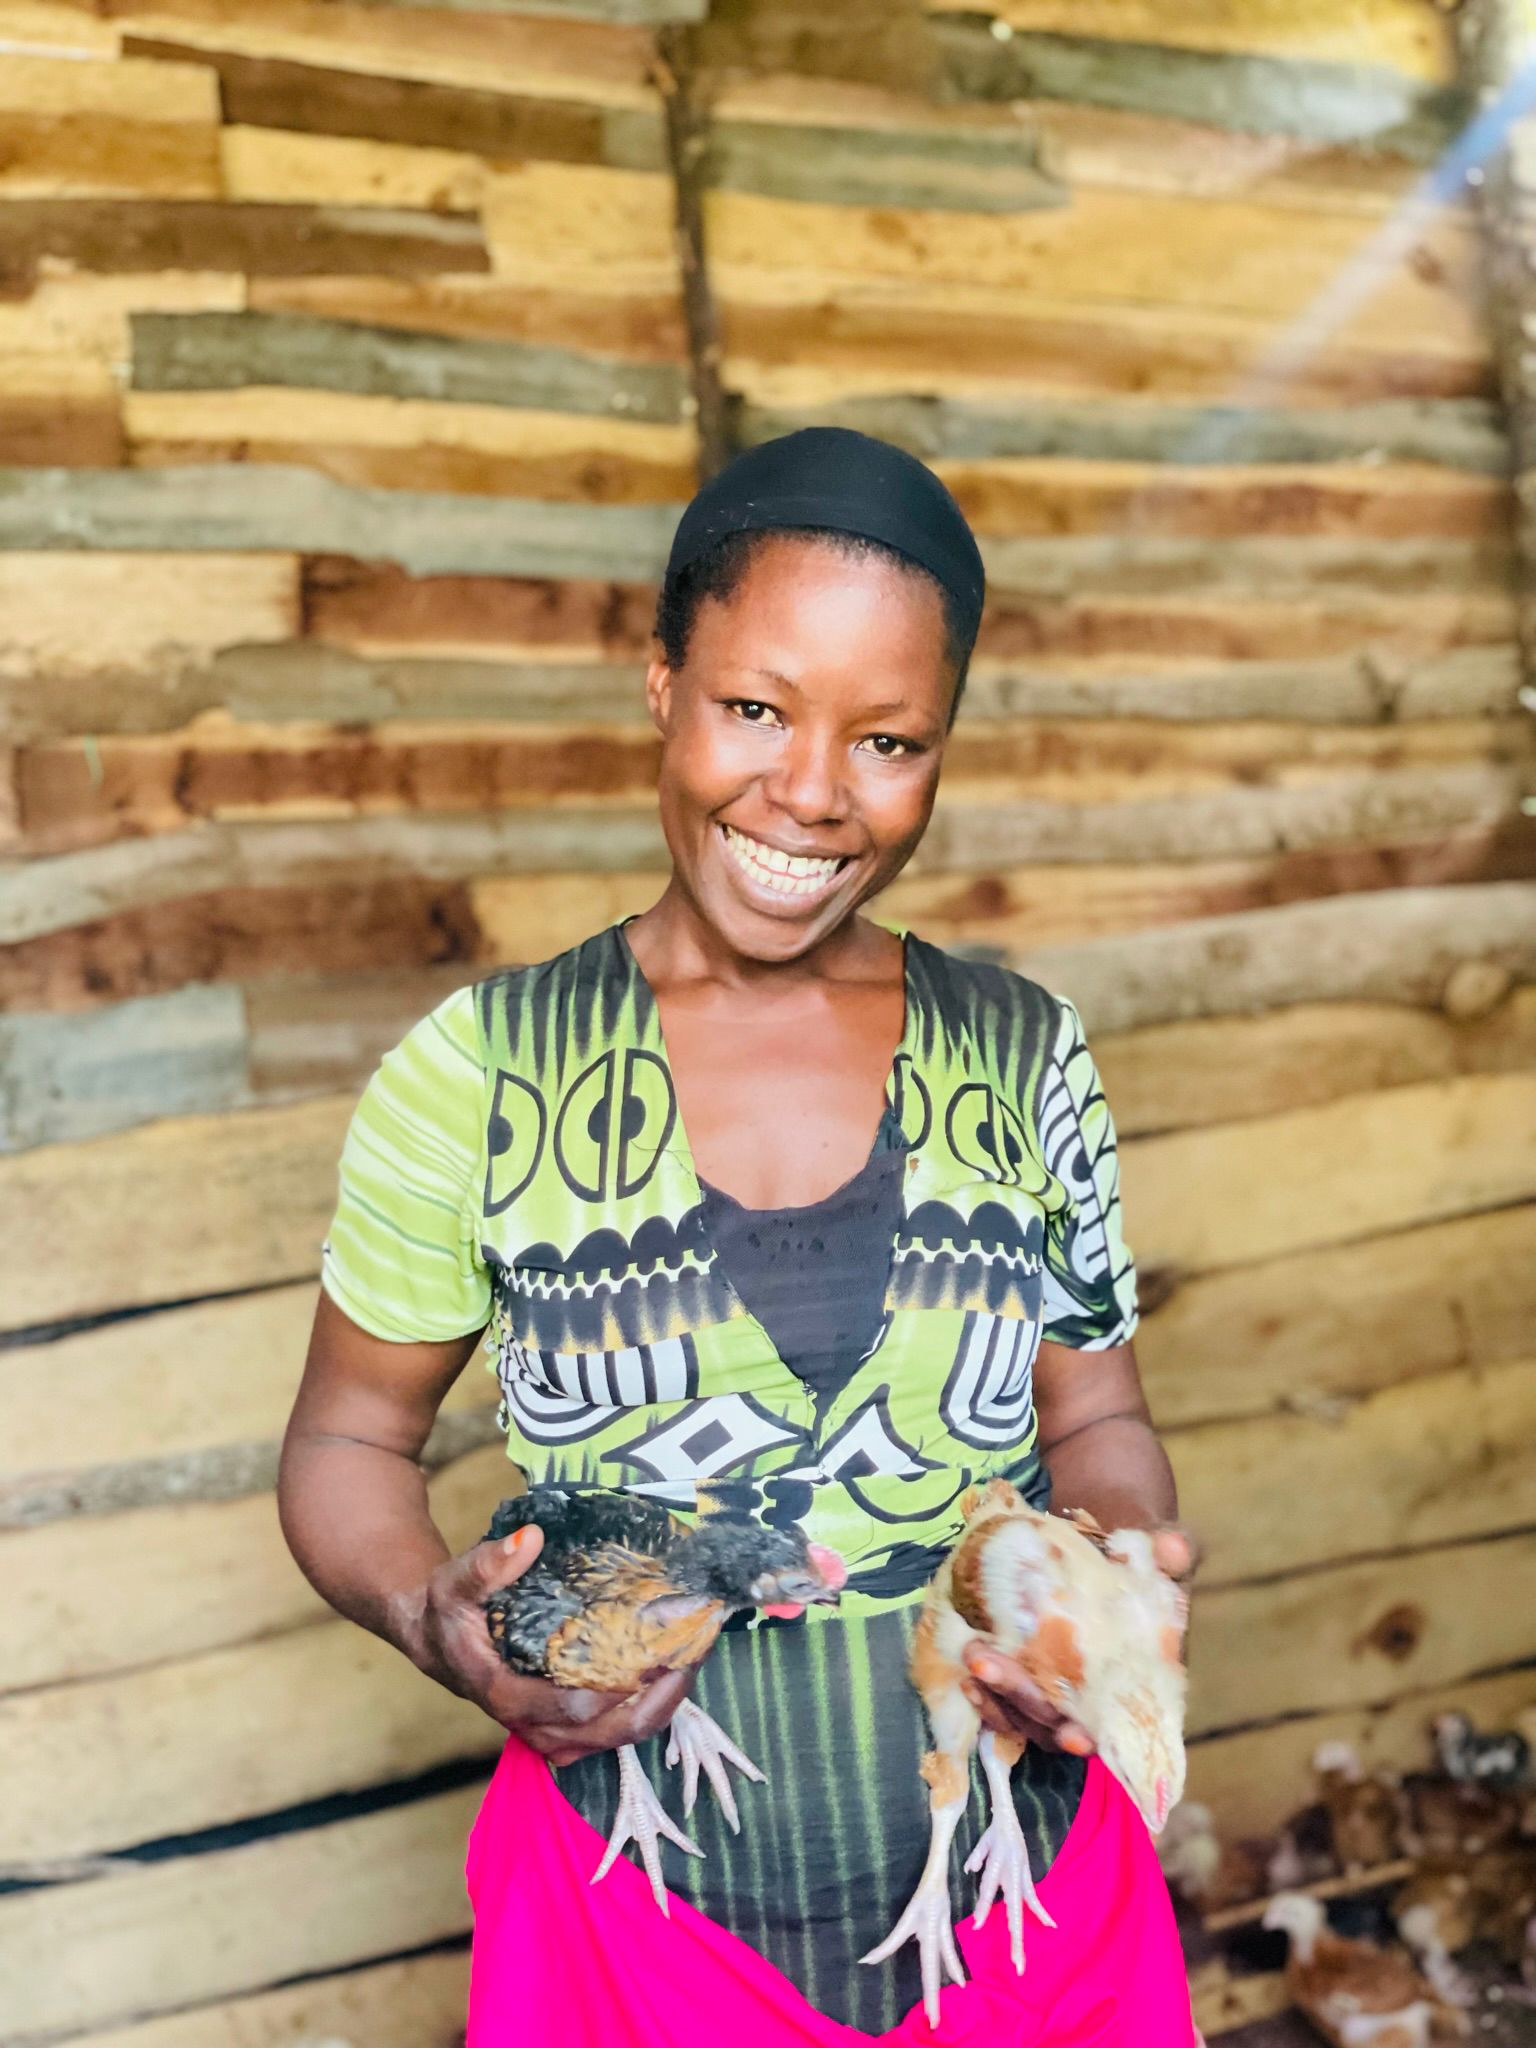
(1365, 1813)
(1356, 1994)
(623, 1591)
(1097, 1627)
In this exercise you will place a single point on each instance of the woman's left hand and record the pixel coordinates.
(1012, 1704)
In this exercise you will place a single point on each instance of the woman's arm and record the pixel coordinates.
(353, 1503)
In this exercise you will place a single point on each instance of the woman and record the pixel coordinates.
(749, 1185)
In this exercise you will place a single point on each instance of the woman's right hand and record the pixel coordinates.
(445, 1635)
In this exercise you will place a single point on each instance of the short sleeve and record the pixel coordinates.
(402, 1256)
(1090, 1275)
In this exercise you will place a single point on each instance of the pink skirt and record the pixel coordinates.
(597, 1966)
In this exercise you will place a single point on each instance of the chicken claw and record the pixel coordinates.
(640, 1819)
(1001, 1855)
(701, 1743)
(927, 1915)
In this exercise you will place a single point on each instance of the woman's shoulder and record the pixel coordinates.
(978, 994)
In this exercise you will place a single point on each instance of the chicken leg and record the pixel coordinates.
(702, 1744)
(641, 1818)
(1002, 1856)
(947, 1773)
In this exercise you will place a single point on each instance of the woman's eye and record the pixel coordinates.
(751, 710)
(890, 747)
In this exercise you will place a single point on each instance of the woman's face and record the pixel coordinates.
(802, 742)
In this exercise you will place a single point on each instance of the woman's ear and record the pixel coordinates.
(658, 693)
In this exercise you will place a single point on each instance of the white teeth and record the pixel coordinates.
(789, 873)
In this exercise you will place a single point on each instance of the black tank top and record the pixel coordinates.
(815, 1277)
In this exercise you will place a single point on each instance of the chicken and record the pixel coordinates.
(623, 1591)
(1445, 1818)
(1203, 1869)
(1473, 1759)
(1436, 1914)
(1356, 1994)
(1093, 1622)
(1364, 1814)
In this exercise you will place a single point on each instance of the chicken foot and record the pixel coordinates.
(641, 1818)
(927, 1916)
(702, 1744)
(1002, 1856)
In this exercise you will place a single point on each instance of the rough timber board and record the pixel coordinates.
(1361, 1634)
(118, 1946)
(226, 351)
(1311, 1332)
(1457, 433)
(1475, 1427)
(419, 2003)
(1390, 1159)
(80, 1606)
(225, 506)
(186, 1746)
(1401, 946)
(1260, 1778)
(167, 1056)
(206, 235)
(1321, 102)
(66, 615)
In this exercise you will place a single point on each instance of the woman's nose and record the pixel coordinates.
(807, 781)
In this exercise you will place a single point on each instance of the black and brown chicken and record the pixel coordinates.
(624, 1591)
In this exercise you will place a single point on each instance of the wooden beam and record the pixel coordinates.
(1258, 1779)
(245, 506)
(275, 241)
(376, 608)
(1401, 35)
(83, 1603)
(1312, 1332)
(1457, 433)
(124, 130)
(1264, 94)
(1451, 1456)
(117, 1947)
(1400, 946)
(227, 351)
(180, 1747)
(1354, 1635)
(419, 2003)
(166, 1056)
(1389, 1160)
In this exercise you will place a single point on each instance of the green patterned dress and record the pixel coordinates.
(518, 1162)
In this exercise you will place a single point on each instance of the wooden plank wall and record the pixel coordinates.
(344, 409)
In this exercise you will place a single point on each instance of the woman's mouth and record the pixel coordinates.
(789, 875)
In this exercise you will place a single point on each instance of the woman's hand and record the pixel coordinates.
(1013, 1704)
(445, 1635)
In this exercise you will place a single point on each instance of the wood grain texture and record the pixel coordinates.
(1400, 34)
(238, 1201)
(1293, 95)
(249, 506)
(283, 241)
(227, 351)
(796, 342)
(1391, 1159)
(184, 1746)
(117, 1947)
(419, 2003)
(1214, 1070)
(1451, 1456)
(1461, 433)
(1258, 1779)
(1361, 1634)
(1314, 1331)
(377, 608)
(87, 1594)
(1398, 947)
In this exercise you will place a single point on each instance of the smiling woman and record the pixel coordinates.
(752, 1188)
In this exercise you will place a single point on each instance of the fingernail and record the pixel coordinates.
(987, 1669)
(513, 1543)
